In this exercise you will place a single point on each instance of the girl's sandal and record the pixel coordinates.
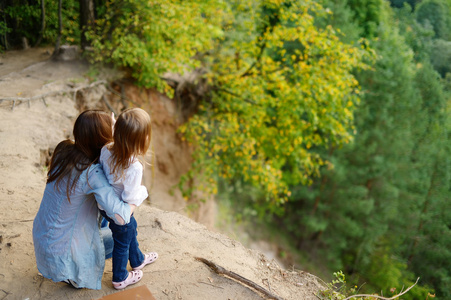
(148, 259)
(132, 278)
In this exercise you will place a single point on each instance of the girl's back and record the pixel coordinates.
(132, 137)
(128, 187)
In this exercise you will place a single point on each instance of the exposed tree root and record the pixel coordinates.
(42, 97)
(221, 271)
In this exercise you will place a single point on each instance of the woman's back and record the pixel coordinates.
(66, 235)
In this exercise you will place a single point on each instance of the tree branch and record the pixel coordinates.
(219, 89)
(383, 298)
(221, 271)
(258, 58)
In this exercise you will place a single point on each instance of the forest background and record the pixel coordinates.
(325, 122)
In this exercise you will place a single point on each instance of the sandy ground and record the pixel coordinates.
(31, 128)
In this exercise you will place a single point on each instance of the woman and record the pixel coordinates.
(66, 233)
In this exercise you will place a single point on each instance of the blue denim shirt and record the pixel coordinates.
(66, 236)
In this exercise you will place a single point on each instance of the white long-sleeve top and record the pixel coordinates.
(128, 187)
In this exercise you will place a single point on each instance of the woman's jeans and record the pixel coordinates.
(126, 247)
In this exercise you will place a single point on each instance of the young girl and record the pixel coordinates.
(132, 135)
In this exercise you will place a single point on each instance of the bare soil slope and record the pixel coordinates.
(33, 127)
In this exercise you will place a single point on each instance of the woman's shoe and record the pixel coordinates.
(148, 259)
(133, 277)
(71, 283)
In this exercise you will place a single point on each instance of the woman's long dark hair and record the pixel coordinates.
(92, 130)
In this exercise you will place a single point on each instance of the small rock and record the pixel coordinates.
(68, 52)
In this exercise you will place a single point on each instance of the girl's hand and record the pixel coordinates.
(114, 122)
(132, 208)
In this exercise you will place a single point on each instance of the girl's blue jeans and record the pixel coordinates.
(126, 247)
(107, 238)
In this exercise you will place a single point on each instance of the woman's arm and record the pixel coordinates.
(114, 207)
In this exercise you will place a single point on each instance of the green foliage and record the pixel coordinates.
(355, 198)
(27, 19)
(435, 13)
(254, 57)
(276, 95)
(24, 20)
(431, 256)
(340, 289)
(441, 56)
(3, 31)
(367, 13)
(152, 38)
(337, 289)
(403, 3)
(428, 247)
(379, 189)
(341, 18)
(71, 32)
(390, 276)
(418, 37)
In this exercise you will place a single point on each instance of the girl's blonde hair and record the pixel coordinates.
(132, 137)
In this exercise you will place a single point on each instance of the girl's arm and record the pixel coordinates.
(98, 185)
(134, 192)
(132, 208)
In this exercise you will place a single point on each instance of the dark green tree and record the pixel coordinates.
(402, 3)
(427, 238)
(441, 56)
(436, 14)
(418, 37)
(356, 216)
(342, 18)
(349, 210)
(38, 22)
(367, 13)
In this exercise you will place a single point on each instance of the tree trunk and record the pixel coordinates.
(60, 29)
(86, 20)
(41, 34)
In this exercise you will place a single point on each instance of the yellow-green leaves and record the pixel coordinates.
(279, 94)
(154, 37)
(280, 87)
